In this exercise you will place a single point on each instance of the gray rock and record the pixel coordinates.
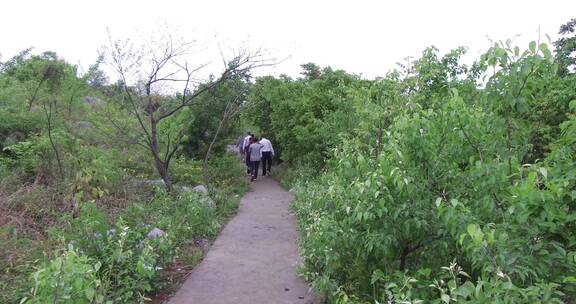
(201, 189)
(292, 190)
(186, 189)
(36, 109)
(202, 194)
(204, 198)
(209, 202)
(154, 182)
(84, 125)
(232, 149)
(155, 233)
(14, 138)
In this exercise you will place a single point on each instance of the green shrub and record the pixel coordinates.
(128, 260)
(291, 176)
(450, 204)
(24, 155)
(98, 172)
(70, 277)
(185, 171)
(227, 173)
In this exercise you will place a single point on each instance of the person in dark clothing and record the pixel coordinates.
(240, 147)
(248, 143)
(267, 154)
(255, 152)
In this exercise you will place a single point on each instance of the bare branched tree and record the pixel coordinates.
(150, 75)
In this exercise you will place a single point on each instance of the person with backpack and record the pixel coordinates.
(255, 154)
(267, 154)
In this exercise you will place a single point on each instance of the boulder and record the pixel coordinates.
(154, 182)
(155, 233)
(208, 201)
(185, 189)
(85, 125)
(232, 149)
(201, 189)
(14, 138)
(35, 109)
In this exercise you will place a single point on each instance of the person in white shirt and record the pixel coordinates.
(267, 154)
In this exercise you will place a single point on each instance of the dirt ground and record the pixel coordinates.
(254, 260)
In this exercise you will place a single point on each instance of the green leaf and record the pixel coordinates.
(90, 293)
(466, 289)
(532, 47)
(471, 229)
(462, 237)
(454, 92)
(438, 202)
(544, 172)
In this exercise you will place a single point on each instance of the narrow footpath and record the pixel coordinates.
(254, 259)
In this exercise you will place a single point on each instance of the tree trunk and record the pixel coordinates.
(403, 257)
(378, 141)
(161, 166)
(407, 250)
(52, 143)
(33, 98)
(162, 169)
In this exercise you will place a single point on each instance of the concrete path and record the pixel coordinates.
(255, 257)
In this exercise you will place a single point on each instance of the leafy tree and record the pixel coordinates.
(257, 109)
(205, 116)
(306, 115)
(48, 88)
(311, 71)
(566, 48)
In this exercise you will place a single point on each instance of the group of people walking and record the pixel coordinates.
(254, 151)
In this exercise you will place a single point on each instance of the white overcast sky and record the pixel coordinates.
(361, 37)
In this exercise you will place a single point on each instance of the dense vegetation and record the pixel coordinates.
(84, 215)
(437, 183)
